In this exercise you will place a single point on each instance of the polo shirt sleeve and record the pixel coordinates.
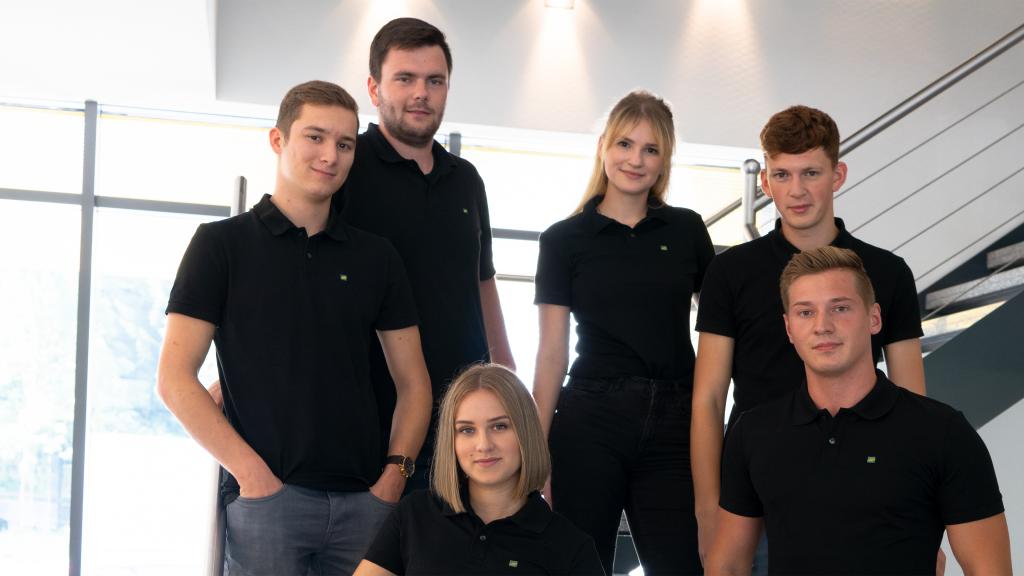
(200, 287)
(968, 490)
(587, 562)
(705, 251)
(738, 495)
(553, 283)
(903, 319)
(398, 309)
(716, 306)
(487, 270)
(386, 550)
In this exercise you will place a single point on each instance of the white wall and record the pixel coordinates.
(725, 64)
(935, 220)
(1002, 437)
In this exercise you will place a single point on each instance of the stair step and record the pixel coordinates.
(1002, 282)
(997, 258)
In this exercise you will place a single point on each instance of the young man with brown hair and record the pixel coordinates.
(742, 334)
(849, 473)
(431, 205)
(290, 295)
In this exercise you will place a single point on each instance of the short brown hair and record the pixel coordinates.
(821, 260)
(312, 92)
(405, 34)
(521, 410)
(798, 129)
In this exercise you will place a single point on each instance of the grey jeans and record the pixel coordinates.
(301, 532)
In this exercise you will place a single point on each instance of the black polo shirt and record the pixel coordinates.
(629, 288)
(440, 226)
(741, 300)
(425, 536)
(868, 491)
(293, 315)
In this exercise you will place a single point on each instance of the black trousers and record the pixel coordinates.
(624, 444)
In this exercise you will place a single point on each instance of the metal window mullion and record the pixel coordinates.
(88, 204)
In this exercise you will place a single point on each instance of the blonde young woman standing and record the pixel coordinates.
(626, 266)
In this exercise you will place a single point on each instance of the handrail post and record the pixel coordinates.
(751, 170)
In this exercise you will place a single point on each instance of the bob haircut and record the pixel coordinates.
(519, 406)
(312, 92)
(822, 260)
(631, 110)
(798, 129)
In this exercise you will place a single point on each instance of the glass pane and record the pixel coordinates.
(41, 149)
(38, 305)
(515, 257)
(529, 190)
(149, 488)
(181, 161)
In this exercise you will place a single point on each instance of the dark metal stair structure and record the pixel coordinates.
(981, 371)
(972, 292)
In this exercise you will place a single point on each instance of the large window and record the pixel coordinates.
(181, 160)
(148, 486)
(38, 305)
(41, 149)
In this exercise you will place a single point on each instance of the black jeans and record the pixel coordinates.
(624, 444)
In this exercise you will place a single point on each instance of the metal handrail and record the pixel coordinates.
(915, 101)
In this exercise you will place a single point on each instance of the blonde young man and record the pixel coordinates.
(849, 473)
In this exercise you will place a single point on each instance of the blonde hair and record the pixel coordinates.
(631, 110)
(521, 410)
(821, 260)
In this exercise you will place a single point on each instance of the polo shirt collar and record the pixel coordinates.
(278, 223)
(878, 402)
(594, 221)
(784, 250)
(534, 516)
(804, 410)
(444, 161)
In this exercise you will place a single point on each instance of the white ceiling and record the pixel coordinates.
(724, 64)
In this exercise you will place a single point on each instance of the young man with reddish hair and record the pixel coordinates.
(849, 473)
(290, 296)
(742, 334)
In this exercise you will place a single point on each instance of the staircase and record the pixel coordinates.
(973, 291)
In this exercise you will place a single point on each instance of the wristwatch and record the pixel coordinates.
(406, 465)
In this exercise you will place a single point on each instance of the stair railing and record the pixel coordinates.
(754, 197)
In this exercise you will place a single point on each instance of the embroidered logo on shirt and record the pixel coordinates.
(664, 248)
(343, 277)
(871, 460)
(513, 563)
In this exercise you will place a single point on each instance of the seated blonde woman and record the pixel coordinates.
(484, 513)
